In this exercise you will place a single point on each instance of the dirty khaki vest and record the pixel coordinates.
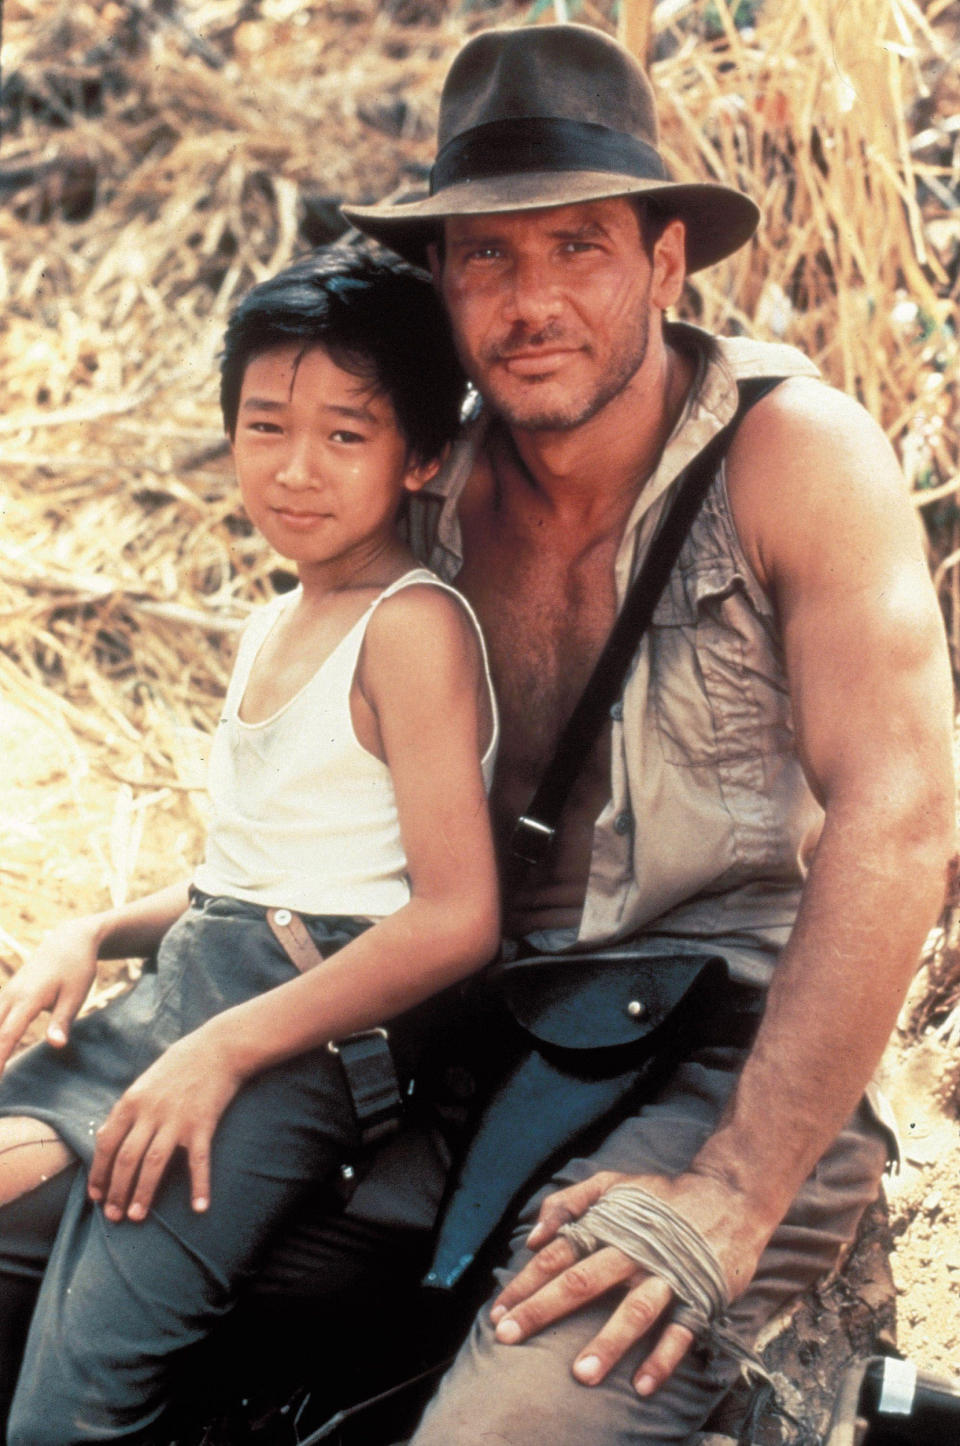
(710, 825)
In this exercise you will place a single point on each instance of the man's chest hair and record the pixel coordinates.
(545, 617)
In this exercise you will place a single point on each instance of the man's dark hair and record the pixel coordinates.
(652, 220)
(376, 317)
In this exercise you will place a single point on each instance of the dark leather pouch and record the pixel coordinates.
(577, 1035)
(600, 1012)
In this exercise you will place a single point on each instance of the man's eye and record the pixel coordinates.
(484, 253)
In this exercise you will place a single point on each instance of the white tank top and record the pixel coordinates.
(302, 816)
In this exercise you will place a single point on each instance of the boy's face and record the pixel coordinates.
(320, 459)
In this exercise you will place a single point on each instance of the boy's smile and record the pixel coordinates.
(321, 461)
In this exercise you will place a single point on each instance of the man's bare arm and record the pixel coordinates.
(830, 531)
(870, 684)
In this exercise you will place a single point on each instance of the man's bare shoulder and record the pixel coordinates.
(810, 473)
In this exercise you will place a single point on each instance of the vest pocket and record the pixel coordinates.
(717, 685)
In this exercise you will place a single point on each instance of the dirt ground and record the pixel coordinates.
(924, 1202)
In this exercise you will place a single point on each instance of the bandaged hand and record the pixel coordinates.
(561, 1278)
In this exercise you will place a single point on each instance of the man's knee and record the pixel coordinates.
(526, 1395)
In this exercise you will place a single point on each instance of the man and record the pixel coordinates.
(776, 785)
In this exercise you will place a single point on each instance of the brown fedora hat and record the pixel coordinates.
(550, 115)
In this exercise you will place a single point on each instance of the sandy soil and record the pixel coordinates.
(924, 1201)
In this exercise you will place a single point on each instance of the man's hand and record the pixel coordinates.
(177, 1103)
(58, 977)
(555, 1282)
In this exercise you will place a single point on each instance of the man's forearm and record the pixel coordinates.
(874, 890)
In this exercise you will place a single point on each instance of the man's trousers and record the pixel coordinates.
(496, 1395)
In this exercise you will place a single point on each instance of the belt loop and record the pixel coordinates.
(294, 938)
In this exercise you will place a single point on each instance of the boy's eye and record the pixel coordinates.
(343, 435)
(264, 427)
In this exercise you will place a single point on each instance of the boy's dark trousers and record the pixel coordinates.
(121, 1304)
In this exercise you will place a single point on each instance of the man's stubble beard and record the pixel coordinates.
(537, 417)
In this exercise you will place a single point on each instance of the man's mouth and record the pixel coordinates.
(535, 362)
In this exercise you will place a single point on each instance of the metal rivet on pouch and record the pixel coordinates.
(636, 1009)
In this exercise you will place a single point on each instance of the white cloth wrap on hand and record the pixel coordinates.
(649, 1231)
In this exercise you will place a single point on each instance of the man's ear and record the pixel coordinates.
(418, 474)
(669, 265)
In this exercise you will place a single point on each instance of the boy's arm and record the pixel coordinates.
(830, 530)
(423, 676)
(59, 975)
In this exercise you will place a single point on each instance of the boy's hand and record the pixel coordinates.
(177, 1103)
(58, 977)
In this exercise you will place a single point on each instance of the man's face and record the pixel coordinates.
(551, 309)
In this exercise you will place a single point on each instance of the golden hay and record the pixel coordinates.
(155, 166)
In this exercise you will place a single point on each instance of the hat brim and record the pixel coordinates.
(719, 220)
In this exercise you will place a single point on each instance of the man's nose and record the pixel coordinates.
(533, 295)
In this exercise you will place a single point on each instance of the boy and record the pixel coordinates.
(348, 817)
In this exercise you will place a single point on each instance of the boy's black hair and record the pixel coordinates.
(376, 317)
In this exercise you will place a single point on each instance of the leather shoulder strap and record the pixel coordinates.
(535, 829)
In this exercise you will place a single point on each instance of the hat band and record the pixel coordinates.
(539, 143)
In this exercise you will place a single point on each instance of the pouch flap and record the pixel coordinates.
(601, 1000)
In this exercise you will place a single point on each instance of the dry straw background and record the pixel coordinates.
(160, 157)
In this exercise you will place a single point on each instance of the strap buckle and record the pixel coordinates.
(531, 840)
(371, 1080)
(377, 1029)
